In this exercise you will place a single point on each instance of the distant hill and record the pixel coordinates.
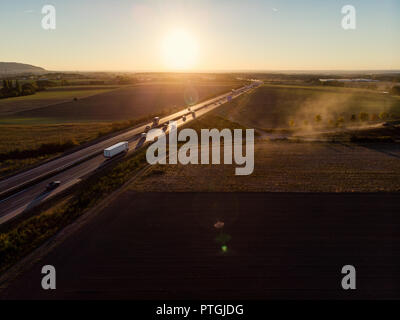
(14, 67)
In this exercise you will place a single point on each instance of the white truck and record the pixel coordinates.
(116, 149)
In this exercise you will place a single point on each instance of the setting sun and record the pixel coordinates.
(180, 50)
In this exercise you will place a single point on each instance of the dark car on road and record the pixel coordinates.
(53, 185)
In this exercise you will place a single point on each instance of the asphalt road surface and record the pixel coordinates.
(279, 245)
(24, 200)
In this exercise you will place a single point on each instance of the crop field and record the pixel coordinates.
(48, 97)
(129, 102)
(281, 106)
(33, 137)
(289, 167)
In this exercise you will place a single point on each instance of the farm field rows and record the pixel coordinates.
(278, 245)
(284, 106)
(129, 102)
(50, 96)
(338, 162)
(288, 167)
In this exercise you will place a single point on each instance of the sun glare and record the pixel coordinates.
(180, 50)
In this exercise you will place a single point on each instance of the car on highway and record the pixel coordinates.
(53, 185)
(156, 121)
(147, 129)
(184, 118)
(165, 127)
(143, 135)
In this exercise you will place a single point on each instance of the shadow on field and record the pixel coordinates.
(389, 149)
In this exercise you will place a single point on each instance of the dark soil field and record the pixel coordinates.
(287, 246)
(130, 102)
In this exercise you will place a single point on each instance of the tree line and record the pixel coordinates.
(12, 88)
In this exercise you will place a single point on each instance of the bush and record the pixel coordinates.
(364, 116)
(28, 89)
(396, 90)
(374, 117)
(383, 115)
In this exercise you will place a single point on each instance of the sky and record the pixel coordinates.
(201, 35)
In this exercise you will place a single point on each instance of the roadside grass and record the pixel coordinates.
(13, 165)
(22, 146)
(23, 236)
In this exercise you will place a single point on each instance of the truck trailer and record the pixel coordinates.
(116, 149)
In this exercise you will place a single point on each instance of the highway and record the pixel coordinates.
(72, 168)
